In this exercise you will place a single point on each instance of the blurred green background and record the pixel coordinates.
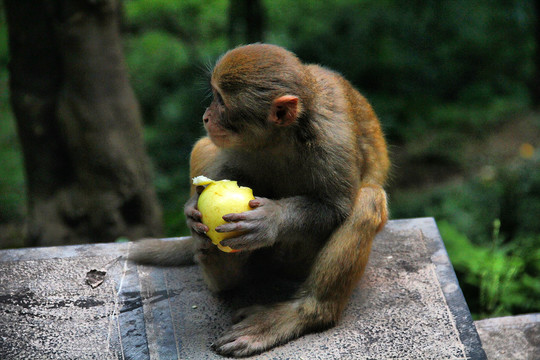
(453, 83)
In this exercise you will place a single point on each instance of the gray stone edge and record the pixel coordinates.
(443, 268)
(516, 321)
(449, 283)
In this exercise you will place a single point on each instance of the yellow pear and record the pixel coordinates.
(221, 198)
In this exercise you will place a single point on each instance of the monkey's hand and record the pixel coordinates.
(193, 219)
(256, 228)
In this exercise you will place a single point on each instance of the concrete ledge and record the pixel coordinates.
(511, 337)
(408, 306)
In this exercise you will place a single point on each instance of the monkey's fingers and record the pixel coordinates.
(247, 241)
(243, 339)
(193, 213)
(233, 226)
(243, 237)
(200, 228)
(251, 215)
(194, 221)
(234, 217)
(197, 226)
(255, 203)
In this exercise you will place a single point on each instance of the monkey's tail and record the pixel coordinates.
(163, 252)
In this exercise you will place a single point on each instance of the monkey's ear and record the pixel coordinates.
(284, 110)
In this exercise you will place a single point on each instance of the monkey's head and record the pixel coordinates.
(260, 91)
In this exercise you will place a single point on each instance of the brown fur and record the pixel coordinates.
(311, 147)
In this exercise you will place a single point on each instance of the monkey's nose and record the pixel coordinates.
(205, 120)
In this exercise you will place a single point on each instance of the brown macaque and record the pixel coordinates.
(311, 148)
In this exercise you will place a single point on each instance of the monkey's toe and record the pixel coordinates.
(244, 340)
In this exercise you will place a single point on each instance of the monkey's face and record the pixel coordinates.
(257, 90)
(247, 122)
(237, 121)
(214, 120)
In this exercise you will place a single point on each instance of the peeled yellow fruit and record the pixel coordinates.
(221, 198)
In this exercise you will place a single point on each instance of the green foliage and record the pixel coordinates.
(424, 64)
(201, 24)
(156, 59)
(496, 274)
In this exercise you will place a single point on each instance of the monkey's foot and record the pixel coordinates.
(257, 329)
(260, 328)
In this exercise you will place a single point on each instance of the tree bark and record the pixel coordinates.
(88, 176)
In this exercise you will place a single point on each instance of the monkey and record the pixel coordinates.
(313, 151)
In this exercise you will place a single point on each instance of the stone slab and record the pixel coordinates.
(408, 305)
(511, 337)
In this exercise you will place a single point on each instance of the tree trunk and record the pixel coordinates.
(88, 176)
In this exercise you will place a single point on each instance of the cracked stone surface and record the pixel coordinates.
(408, 305)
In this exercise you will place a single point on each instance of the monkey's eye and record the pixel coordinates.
(218, 98)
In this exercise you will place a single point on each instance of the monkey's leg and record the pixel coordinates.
(222, 271)
(322, 298)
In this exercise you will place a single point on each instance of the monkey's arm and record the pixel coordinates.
(273, 220)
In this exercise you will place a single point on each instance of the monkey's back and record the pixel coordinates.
(338, 96)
